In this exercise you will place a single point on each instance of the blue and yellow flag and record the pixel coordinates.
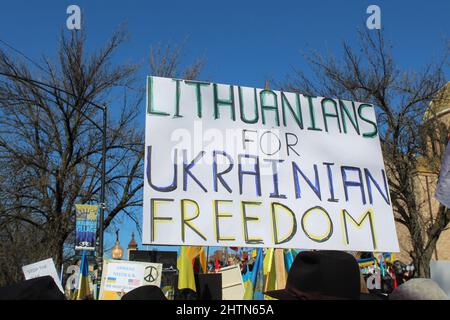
(251, 278)
(83, 289)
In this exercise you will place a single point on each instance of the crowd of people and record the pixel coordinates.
(314, 275)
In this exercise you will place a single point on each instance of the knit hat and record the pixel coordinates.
(418, 289)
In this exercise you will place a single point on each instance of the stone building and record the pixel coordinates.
(426, 177)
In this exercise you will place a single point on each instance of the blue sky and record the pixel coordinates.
(243, 42)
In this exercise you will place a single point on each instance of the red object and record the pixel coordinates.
(217, 266)
(234, 248)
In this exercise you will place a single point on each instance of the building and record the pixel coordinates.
(132, 245)
(425, 179)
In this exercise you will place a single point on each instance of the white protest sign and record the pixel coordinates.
(235, 166)
(232, 283)
(119, 277)
(40, 269)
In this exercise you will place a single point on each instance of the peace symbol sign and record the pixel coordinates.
(152, 274)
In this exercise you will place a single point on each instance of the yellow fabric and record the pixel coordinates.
(366, 264)
(267, 263)
(248, 287)
(202, 257)
(270, 275)
(84, 290)
(186, 279)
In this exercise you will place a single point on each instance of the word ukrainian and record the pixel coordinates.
(299, 171)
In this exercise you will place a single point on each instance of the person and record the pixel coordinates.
(418, 289)
(322, 275)
(145, 293)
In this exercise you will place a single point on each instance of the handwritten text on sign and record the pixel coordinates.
(236, 166)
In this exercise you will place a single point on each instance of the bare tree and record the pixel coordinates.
(166, 59)
(50, 146)
(370, 74)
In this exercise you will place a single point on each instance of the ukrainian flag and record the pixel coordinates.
(186, 279)
(251, 278)
(83, 289)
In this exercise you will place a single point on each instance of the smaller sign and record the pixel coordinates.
(86, 226)
(232, 283)
(41, 269)
(120, 277)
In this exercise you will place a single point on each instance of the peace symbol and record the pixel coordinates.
(152, 274)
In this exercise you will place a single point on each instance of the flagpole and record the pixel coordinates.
(207, 258)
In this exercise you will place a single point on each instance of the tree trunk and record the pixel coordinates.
(59, 254)
(421, 262)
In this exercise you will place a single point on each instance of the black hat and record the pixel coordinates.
(321, 275)
(41, 288)
(145, 293)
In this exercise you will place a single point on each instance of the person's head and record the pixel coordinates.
(145, 293)
(321, 275)
(418, 289)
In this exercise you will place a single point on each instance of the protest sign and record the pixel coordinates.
(119, 277)
(40, 269)
(232, 283)
(86, 226)
(235, 166)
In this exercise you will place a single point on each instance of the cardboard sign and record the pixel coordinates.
(234, 166)
(232, 283)
(119, 277)
(40, 269)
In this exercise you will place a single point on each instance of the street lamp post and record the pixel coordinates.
(102, 201)
(103, 165)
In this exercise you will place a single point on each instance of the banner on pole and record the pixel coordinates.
(235, 166)
(86, 226)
